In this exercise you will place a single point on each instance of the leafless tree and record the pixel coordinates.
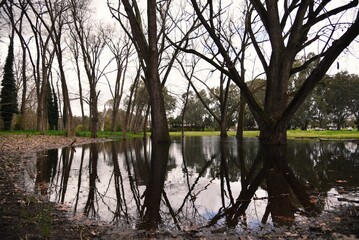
(53, 17)
(122, 51)
(43, 59)
(92, 44)
(146, 45)
(127, 120)
(75, 50)
(280, 31)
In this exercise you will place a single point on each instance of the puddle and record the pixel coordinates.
(202, 182)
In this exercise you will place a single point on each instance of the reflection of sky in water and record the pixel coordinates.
(204, 202)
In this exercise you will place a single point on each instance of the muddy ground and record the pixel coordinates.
(24, 216)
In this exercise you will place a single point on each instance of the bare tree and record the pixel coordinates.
(42, 61)
(133, 89)
(92, 44)
(147, 49)
(75, 50)
(290, 29)
(53, 16)
(122, 51)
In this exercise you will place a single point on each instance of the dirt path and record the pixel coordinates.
(24, 216)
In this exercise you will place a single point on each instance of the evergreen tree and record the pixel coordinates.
(8, 95)
(53, 111)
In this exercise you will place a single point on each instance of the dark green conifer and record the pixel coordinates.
(8, 95)
(53, 110)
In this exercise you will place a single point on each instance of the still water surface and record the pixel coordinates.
(199, 182)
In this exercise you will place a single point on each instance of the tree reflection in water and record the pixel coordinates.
(90, 210)
(195, 182)
(155, 186)
(46, 165)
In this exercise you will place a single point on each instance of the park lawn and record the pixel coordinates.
(326, 134)
(213, 133)
(100, 134)
(292, 134)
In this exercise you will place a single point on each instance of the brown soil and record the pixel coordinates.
(24, 216)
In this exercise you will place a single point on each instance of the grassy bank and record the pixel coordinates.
(104, 134)
(327, 134)
(292, 134)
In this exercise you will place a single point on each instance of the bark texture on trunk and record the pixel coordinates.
(273, 133)
(160, 131)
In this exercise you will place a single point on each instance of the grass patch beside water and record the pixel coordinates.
(328, 134)
(297, 134)
(105, 134)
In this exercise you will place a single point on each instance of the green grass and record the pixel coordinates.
(213, 133)
(105, 134)
(327, 134)
(292, 134)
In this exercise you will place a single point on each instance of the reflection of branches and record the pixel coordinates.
(121, 205)
(234, 212)
(132, 177)
(154, 188)
(46, 170)
(90, 203)
(193, 197)
(225, 176)
(79, 180)
(281, 183)
(173, 214)
(67, 157)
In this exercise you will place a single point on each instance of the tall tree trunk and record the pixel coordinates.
(184, 110)
(145, 122)
(93, 112)
(149, 58)
(42, 117)
(70, 124)
(76, 55)
(273, 133)
(223, 125)
(240, 122)
(160, 131)
(121, 75)
(24, 88)
(129, 106)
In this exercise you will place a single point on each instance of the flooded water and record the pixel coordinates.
(199, 182)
